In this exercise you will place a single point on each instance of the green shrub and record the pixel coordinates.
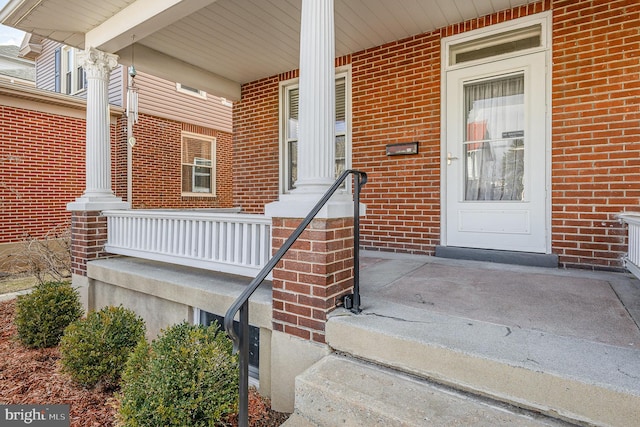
(43, 314)
(95, 350)
(187, 377)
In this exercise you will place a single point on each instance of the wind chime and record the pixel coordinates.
(132, 101)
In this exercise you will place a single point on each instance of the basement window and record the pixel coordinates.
(205, 318)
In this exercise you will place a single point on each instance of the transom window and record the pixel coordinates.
(198, 164)
(291, 96)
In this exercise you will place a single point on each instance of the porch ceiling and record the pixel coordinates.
(216, 45)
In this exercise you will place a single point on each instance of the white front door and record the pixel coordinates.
(495, 156)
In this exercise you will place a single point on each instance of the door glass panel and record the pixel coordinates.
(494, 139)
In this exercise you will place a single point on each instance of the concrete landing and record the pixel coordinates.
(565, 343)
(602, 307)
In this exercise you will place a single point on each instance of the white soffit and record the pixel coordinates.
(237, 40)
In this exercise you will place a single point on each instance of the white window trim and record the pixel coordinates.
(214, 179)
(200, 94)
(543, 19)
(340, 72)
(74, 71)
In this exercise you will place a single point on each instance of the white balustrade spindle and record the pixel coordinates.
(632, 260)
(227, 242)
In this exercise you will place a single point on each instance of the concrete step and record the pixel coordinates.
(575, 380)
(297, 420)
(343, 391)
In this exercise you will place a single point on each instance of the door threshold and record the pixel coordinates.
(531, 259)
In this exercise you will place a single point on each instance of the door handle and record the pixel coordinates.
(450, 157)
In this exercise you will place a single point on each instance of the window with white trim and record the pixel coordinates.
(198, 164)
(70, 71)
(289, 140)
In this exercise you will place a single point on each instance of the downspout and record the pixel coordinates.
(129, 174)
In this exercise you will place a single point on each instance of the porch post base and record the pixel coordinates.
(88, 237)
(97, 203)
(313, 276)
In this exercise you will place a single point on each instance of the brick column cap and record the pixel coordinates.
(92, 204)
(299, 206)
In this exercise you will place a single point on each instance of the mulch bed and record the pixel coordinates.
(32, 376)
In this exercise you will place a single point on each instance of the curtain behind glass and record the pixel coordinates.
(494, 139)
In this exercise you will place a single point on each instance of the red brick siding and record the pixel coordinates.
(157, 165)
(88, 236)
(42, 164)
(595, 150)
(396, 98)
(312, 277)
(255, 147)
(42, 169)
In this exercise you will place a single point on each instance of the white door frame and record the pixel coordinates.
(543, 19)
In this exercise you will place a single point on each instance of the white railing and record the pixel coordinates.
(632, 260)
(227, 242)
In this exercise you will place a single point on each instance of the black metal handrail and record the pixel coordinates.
(241, 304)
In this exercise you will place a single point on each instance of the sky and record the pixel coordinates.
(9, 35)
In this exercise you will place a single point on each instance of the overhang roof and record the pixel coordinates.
(217, 45)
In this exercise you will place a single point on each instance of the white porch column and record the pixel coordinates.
(98, 194)
(316, 142)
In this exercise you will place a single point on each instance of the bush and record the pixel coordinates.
(187, 377)
(95, 350)
(43, 314)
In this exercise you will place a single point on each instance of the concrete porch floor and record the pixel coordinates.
(551, 342)
(596, 306)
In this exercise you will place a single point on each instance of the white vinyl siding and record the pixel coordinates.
(157, 97)
(160, 98)
(45, 74)
(45, 66)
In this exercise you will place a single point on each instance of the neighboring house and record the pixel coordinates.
(492, 129)
(43, 133)
(15, 69)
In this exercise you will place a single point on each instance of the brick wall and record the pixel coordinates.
(596, 131)
(42, 164)
(255, 147)
(42, 169)
(396, 98)
(157, 165)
